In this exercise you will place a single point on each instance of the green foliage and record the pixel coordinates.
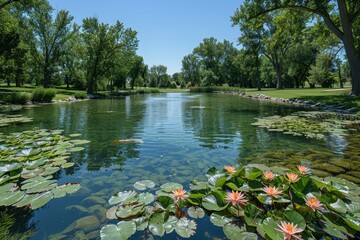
(271, 199)
(43, 95)
(28, 161)
(80, 95)
(18, 98)
(6, 120)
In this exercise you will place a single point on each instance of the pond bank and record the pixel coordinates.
(295, 101)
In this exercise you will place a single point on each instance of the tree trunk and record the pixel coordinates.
(47, 76)
(349, 45)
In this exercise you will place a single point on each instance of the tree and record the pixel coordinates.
(47, 37)
(277, 31)
(191, 69)
(105, 46)
(341, 17)
(136, 70)
(158, 76)
(322, 72)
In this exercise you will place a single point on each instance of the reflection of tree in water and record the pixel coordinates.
(219, 120)
(102, 127)
(14, 223)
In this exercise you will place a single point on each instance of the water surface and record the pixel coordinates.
(174, 137)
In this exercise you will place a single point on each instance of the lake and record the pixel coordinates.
(172, 137)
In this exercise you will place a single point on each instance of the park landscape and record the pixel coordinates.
(253, 139)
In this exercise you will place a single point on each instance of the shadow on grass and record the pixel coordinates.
(353, 101)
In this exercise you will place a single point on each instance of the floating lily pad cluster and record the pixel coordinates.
(10, 107)
(311, 124)
(28, 161)
(135, 212)
(247, 202)
(6, 120)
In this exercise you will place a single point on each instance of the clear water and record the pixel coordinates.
(183, 135)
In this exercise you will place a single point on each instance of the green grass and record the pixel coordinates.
(322, 95)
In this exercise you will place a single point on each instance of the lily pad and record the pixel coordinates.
(144, 184)
(185, 227)
(121, 231)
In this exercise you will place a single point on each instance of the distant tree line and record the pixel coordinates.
(283, 44)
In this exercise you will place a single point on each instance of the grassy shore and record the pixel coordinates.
(322, 95)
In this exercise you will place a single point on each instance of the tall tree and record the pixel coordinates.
(279, 32)
(158, 76)
(340, 16)
(191, 69)
(136, 70)
(104, 45)
(47, 37)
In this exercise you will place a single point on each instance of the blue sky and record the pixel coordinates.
(167, 29)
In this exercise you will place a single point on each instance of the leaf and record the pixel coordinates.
(196, 212)
(185, 227)
(9, 168)
(129, 211)
(169, 225)
(10, 198)
(268, 228)
(41, 199)
(76, 149)
(233, 232)
(123, 197)
(111, 213)
(146, 198)
(338, 206)
(144, 184)
(168, 187)
(253, 215)
(214, 202)
(79, 142)
(295, 218)
(122, 231)
(156, 224)
(219, 220)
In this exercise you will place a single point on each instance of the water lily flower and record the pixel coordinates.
(236, 198)
(302, 169)
(230, 169)
(179, 194)
(289, 230)
(314, 203)
(292, 177)
(272, 191)
(268, 175)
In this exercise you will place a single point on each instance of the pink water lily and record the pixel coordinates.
(230, 169)
(302, 169)
(236, 198)
(179, 194)
(292, 177)
(314, 203)
(272, 192)
(289, 230)
(268, 175)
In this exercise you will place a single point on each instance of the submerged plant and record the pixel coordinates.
(315, 125)
(28, 161)
(244, 205)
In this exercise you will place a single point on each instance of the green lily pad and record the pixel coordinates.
(196, 212)
(185, 227)
(144, 184)
(146, 198)
(219, 220)
(41, 199)
(214, 201)
(123, 197)
(122, 231)
(169, 187)
(156, 224)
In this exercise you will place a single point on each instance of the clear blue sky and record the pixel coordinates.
(167, 29)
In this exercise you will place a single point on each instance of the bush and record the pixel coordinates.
(80, 95)
(43, 95)
(18, 98)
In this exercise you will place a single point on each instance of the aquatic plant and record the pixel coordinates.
(6, 120)
(28, 161)
(247, 204)
(311, 124)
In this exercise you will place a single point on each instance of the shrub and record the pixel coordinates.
(43, 95)
(18, 98)
(80, 95)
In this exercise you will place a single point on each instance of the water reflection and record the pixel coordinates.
(182, 136)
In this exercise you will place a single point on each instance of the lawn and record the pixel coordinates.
(322, 95)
